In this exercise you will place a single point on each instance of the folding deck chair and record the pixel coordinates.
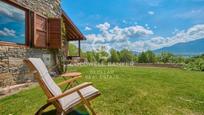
(63, 101)
(67, 75)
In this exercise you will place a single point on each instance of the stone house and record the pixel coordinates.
(32, 28)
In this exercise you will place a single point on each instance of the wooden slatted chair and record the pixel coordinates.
(67, 75)
(72, 75)
(63, 101)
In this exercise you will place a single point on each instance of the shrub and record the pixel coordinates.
(197, 64)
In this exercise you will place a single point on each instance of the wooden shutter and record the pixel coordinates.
(40, 31)
(54, 33)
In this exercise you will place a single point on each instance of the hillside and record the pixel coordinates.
(190, 48)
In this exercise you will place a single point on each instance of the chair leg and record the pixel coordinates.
(87, 103)
(39, 112)
(90, 108)
(59, 112)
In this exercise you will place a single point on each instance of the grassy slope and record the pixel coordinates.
(128, 91)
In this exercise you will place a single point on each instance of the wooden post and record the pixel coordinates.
(79, 48)
(67, 47)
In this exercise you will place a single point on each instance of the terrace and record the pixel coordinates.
(72, 34)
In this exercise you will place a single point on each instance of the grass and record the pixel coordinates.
(127, 91)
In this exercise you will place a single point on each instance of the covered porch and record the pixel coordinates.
(73, 35)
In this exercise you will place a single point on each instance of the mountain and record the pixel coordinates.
(190, 48)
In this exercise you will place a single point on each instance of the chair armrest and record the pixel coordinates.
(69, 81)
(77, 88)
(71, 74)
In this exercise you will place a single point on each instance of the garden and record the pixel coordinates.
(126, 90)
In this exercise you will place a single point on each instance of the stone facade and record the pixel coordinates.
(49, 8)
(12, 68)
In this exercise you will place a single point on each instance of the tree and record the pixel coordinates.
(114, 56)
(73, 50)
(135, 58)
(126, 56)
(102, 54)
(142, 58)
(151, 57)
(166, 57)
(178, 59)
(90, 56)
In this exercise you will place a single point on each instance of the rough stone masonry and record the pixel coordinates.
(12, 68)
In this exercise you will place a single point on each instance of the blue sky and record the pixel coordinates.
(137, 24)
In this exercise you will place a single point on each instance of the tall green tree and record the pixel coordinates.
(166, 57)
(90, 56)
(126, 56)
(135, 58)
(151, 57)
(114, 57)
(100, 55)
(142, 58)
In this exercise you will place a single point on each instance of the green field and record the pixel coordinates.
(127, 91)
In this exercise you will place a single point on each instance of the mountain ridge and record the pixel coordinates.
(195, 47)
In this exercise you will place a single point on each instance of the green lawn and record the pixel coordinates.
(127, 91)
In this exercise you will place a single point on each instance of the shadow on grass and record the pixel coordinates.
(81, 110)
(53, 112)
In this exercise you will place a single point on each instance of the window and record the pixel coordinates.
(12, 24)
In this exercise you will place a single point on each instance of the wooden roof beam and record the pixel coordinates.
(70, 34)
(71, 28)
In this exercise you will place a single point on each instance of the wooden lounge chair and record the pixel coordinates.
(73, 75)
(63, 101)
(66, 75)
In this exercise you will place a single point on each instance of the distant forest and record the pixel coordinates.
(101, 55)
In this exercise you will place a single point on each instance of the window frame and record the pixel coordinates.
(27, 27)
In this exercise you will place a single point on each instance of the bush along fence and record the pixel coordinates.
(148, 58)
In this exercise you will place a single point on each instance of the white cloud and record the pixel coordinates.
(130, 37)
(108, 35)
(87, 28)
(103, 27)
(12, 12)
(5, 12)
(194, 33)
(7, 32)
(117, 33)
(151, 12)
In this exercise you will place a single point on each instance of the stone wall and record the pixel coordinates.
(49, 8)
(12, 68)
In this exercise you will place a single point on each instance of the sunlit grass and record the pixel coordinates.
(127, 91)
